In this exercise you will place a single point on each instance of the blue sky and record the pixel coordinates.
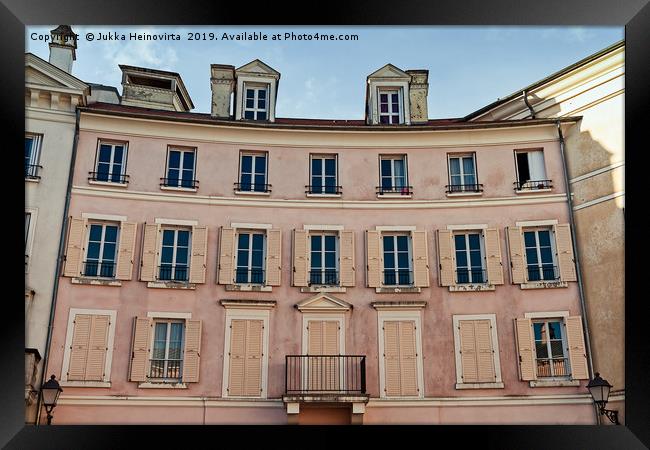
(469, 67)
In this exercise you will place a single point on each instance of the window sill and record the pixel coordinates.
(464, 194)
(162, 385)
(249, 287)
(308, 289)
(545, 285)
(495, 385)
(324, 195)
(469, 287)
(182, 189)
(553, 383)
(96, 281)
(171, 285)
(33, 180)
(532, 191)
(398, 290)
(89, 384)
(394, 195)
(109, 183)
(263, 194)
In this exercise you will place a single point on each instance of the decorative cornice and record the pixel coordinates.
(248, 304)
(401, 305)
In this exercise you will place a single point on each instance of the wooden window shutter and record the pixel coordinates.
(300, 258)
(253, 373)
(192, 351)
(237, 357)
(469, 365)
(565, 257)
(408, 359)
(526, 349)
(346, 263)
(420, 258)
(74, 248)
(97, 348)
(373, 252)
(315, 336)
(516, 248)
(199, 252)
(493, 256)
(445, 258)
(577, 351)
(484, 351)
(126, 251)
(391, 359)
(273, 257)
(79, 347)
(149, 252)
(226, 256)
(140, 350)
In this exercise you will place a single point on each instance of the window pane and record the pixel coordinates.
(250, 103)
(395, 107)
(258, 241)
(260, 164)
(93, 250)
(250, 93)
(330, 166)
(261, 93)
(260, 182)
(537, 328)
(383, 119)
(249, 115)
(386, 167)
(174, 159)
(454, 166)
(316, 243)
(95, 232)
(243, 241)
(461, 259)
(183, 238)
(389, 260)
(104, 153)
(330, 243)
(28, 147)
(555, 330)
(257, 258)
(544, 238)
(166, 255)
(383, 98)
(330, 260)
(316, 166)
(531, 256)
(172, 177)
(181, 255)
(388, 243)
(403, 260)
(109, 252)
(261, 104)
(168, 237)
(188, 161)
(475, 258)
(468, 165)
(316, 260)
(261, 115)
(399, 168)
(529, 239)
(245, 182)
(460, 241)
(547, 255)
(394, 98)
(242, 258)
(557, 349)
(402, 243)
(111, 234)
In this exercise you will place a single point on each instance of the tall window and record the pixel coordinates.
(167, 354)
(250, 258)
(28, 219)
(323, 175)
(32, 154)
(531, 173)
(393, 175)
(462, 174)
(540, 255)
(175, 254)
(469, 258)
(101, 251)
(389, 106)
(111, 163)
(550, 345)
(180, 169)
(323, 260)
(252, 176)
(397, 260)
(255, 102)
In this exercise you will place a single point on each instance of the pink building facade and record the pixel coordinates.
(270, 271)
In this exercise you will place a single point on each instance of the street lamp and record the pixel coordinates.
(51, 391)
(599, 390)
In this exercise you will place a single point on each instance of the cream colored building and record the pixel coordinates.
(51, 97)
(592, 88)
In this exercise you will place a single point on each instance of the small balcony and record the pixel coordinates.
(323, 190)
(543, 273)
(398, 277)
(171, 272)
(533, 185)
(324, 277)
(179, 183)
(394, 190)
(106, 177)
(249, 276)
(463, 188)
(338, 378)
(253, 187)
(471, 276)
(32, 171)
(552, 367)
(166, 370)
(99, 269)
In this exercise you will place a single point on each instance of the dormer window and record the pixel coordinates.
(255, 102)
(390, 110)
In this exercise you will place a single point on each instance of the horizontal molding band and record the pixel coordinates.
(106, 400)
(597, 172)
(599, 200)
(325, 204)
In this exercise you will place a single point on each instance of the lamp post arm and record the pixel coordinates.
(612, 415)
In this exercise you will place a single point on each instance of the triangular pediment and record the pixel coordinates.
(389, 71)
(39, 71)
(323, 302)
(257, 66)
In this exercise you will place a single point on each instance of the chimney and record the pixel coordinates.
(62, 47)
(222, 84)
(418, 90)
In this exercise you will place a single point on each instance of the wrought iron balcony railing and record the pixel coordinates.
(252, 187)
(453, 188)
(402, 190)
(103, 269)
(169, 369)
(553, 367)
(329, 277)
(325, 374)
(319, 189)
(171, 272)
(246, 275)
(108, 177)
(179, 182)
(531, 185)
(31, 171)
(398, 277)
(464, 276)
(543, 273)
